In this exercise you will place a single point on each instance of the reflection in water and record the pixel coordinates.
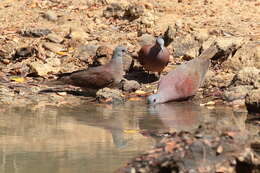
(90, 138)
(175, 116)
(70, 139)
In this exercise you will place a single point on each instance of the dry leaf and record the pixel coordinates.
(140, 92)
(61, 53)
(17, 79)
(131, 131)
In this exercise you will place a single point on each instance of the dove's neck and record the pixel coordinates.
(117, 60)
(116, 66)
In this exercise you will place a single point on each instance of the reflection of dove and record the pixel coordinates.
(177, 116)
(118, 137)
(184, 80)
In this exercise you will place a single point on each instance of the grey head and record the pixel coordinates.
(153, 99)
(160, 42)
(119, 51)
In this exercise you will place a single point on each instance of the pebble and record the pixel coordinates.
(54, 47)
(35, 32)
(52, 65)
(23, 52)
(131, 85)
(77, 34)
(54, 38)
(146, 39)
(50, 15)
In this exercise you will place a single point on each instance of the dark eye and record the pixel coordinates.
(154, 100)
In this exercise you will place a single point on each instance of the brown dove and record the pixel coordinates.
(107, 75)
(154, 57)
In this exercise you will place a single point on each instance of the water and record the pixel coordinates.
(86, 138)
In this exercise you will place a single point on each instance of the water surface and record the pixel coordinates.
(86, 138)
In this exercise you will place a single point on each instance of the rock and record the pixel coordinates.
(237, 93)
(201, 35)
(148, 19)
(220, 80)
(130, 85)
(127, 62)
(35, 32)
(54, 47)
(253, 101)
(186, 46)
(169, 35)
(52, 65)
(23, 52)
(248, 76)
(227, 47)
(54, 38)
(103, 56)
(134, 11)
(77, 34)
(50, 15)
(110, 95)
(146, 39)
(86, 53)
(226, 43)
(115, 10)
(247, 56)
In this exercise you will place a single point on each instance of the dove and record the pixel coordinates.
(154, 57)
(108, 75)
(183, 81)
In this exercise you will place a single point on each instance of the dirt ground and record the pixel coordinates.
(42, 38)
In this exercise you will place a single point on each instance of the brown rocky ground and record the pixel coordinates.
(40, 38)
(43, 38)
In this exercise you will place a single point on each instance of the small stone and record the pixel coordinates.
(62, 93)
(103, 56)
(253, 101)
(226, 43)
(77, 34)
(50, 15)
(148, 19)
(23, 52)
(54, 38)
(169, 35)
(86, 53)
(54, 47)
(220, 80)
(201, 35)
(52, 65)
(115, 10)
(146, 39)
(246, 56)
(186, 46)
(220, 149)
(237, 93)
(248, 76)
(35, 32)
(130, 85)
(127, 62)
(109, 95)
(135, 11)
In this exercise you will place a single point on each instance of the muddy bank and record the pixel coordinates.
(69, 36)
(207, 149)
(39, 39)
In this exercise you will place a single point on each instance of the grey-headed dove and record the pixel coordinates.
(107, 75)
(154, 57)
(184, 80)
